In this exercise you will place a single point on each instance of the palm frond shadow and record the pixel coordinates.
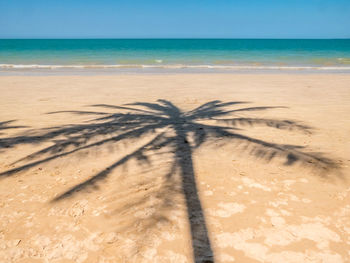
(175, 132)
(6, 125)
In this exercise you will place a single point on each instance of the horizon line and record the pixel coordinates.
(167, 38)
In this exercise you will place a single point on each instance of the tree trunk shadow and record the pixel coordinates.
(201, 245)
(208, 122)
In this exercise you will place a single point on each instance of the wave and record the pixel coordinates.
(172, 66)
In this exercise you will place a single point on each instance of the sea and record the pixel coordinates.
(55, 56)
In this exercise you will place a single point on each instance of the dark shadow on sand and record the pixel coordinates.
(6, 125)
(179, 133)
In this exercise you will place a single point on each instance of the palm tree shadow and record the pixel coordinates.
(177, 132)
(6, 125)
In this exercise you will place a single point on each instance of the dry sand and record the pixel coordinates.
(108, 184)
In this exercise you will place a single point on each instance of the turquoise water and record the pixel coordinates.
(175, 53)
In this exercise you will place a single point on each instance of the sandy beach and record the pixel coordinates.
(175, 168)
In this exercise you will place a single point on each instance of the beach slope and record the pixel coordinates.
(175, 168)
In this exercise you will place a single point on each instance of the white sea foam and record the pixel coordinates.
(173, 66)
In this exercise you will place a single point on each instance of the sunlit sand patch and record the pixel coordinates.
(342, 195)
(168, 236)
(244, 240)
(278, 202)
(227, 209)
(171, 257)
(310, 256)
(253, 184)
(305, 200)
(149, 253)
(100, 210)
(294, 198)
(223, 257)
(275, 218)
(271, 212)
(277, 221)
(288, 183)
(232, 193)
(285, 197)
(303, 180)
(285, 212)
(208, 193)
(316, 232)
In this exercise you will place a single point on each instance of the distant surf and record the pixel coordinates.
(175, 54)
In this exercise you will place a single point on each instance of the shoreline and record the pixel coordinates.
(81, 71)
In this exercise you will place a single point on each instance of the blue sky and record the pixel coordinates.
(175, 19)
